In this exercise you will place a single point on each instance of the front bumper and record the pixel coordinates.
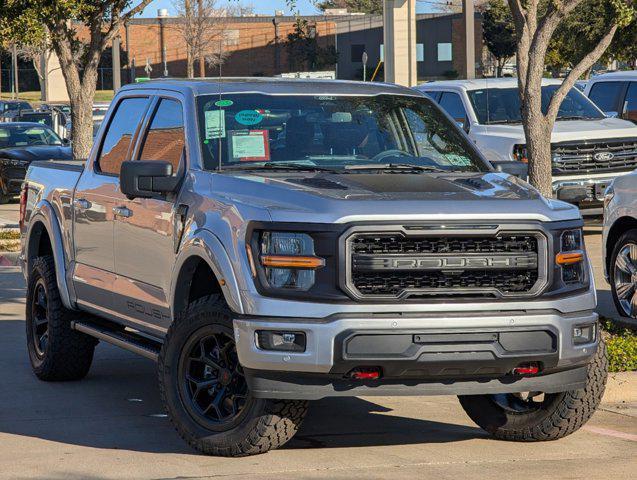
(11, 177)
(587, 192)
(419, 354)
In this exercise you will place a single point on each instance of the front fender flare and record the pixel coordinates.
(206, 245)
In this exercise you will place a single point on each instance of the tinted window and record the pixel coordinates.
(120, 134)
(165, 137)
(630, 104)
(452, 104)
(502, 105)
(606, 95)
(251, 131)
(434, 95)
(12, 136)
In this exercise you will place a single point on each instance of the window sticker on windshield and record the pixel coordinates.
(249, 117)
(458, 160)
(250, 145)
(4, 134)
(215, 124)
(224, 103)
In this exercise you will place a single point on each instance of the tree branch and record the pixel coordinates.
(587, 62)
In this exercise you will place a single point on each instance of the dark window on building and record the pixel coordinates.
(357, 53)
(165, 138)
(452, 104)
(606, 95)
(120, 133)
(630, 104)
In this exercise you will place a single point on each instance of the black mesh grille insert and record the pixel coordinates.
(392, 280)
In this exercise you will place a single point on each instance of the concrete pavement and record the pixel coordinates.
(111, 426)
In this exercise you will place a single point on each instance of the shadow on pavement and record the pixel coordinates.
(117, 407)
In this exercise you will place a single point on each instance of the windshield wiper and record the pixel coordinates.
(395, 166)
(576, 117)
(280, 166)
(503, 122)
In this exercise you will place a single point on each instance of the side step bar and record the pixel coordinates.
(127, 340)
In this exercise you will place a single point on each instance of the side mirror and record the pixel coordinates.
(147, 179)
(66, 141)
(463, 123)
(517, 169)
(611, 114)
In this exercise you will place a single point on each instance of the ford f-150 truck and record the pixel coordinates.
(589, 149)
(272, 242)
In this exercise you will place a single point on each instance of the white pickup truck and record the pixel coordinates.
(589, 148)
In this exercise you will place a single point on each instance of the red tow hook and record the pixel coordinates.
(371, 373)
(527, 369)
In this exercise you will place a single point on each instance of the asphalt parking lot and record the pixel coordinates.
(111, 426)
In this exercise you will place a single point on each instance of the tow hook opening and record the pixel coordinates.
(530, 368)
(365, 373)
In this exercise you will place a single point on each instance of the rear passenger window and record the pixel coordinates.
(165, 138)
(452, 104)
(120, 133)
(630, 104)
(434, 95)
(606, 95)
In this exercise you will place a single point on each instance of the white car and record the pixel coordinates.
(615, 94)
(589, 148)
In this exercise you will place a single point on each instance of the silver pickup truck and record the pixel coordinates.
(271, 242)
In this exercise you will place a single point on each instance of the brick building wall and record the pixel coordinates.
(250, 42)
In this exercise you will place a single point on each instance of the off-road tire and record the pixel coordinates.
(560, 415)
(629, 237)
(264, 425)
(68, 354)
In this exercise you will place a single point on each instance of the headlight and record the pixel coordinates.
(571, 257)
(288, 260)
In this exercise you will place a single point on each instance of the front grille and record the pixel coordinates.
(597, 156)
(400, 265)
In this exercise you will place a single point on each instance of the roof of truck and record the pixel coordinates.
(624, 75)
(273, 86)
(481, 83)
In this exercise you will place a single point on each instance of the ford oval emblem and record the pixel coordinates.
(603, 156)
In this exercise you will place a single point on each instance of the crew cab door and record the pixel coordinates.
(145, 228)
(96, 194)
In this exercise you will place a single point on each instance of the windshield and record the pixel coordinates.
(17, 106)
(330, 132)
(27, 136)
(502, 105)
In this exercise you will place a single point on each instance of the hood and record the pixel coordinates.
(37, 152)
(567, 130)
(336, 198)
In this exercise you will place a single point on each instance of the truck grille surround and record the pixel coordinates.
(595, 156)
(397, 265)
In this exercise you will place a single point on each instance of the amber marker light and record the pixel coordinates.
(569, 258)
(292, 261)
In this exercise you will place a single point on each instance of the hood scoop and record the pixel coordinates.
(474, 183)
(317, 182)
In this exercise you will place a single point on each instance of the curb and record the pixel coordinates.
(621, 388)
(9, 259)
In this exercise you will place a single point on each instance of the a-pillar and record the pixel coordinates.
(399, 32)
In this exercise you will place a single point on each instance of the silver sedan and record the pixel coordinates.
(620, 242)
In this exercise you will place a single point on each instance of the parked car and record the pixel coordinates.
(620, 243)
(615, 94)
(20, 144)
(13, 105)
(589, 149)
(99, 110)
(271, 242)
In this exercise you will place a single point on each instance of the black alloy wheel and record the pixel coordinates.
(40, 318)
(213, 388)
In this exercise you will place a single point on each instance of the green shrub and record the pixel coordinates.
(621, 344)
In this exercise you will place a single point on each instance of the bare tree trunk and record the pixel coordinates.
(190, 66)
(499, 67)
(538, 146)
